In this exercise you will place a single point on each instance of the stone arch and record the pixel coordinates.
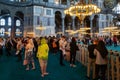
(5, 11)
(95, 26)
(58, 21)
(20, 15)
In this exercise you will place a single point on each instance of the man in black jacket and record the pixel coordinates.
(91, 59)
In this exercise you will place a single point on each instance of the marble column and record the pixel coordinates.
(91, 25)
(12, 27)
(63, 27)
(73, 22)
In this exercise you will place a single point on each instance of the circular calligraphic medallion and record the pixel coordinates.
(109, 3)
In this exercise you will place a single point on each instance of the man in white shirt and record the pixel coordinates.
(62, 49)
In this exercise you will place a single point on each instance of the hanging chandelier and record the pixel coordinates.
(82, 9)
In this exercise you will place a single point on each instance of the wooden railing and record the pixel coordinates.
(113, 66)
(82, 54)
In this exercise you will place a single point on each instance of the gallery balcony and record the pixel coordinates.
(32, 3)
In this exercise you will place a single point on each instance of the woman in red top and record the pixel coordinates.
(115, 41)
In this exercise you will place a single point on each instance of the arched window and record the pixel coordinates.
(2, 32)
(9, 21)
(2, 22)
(17, 32)
(9, 31)
(17, 22)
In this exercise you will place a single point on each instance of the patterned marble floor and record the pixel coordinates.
(12, 70)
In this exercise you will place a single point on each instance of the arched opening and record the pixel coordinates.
(5, 11)
(68, 22)
(77, 23)
(95, 27)
(87, 23)
(20, 15)
(58, 21)
(5, 22)
(18, 23)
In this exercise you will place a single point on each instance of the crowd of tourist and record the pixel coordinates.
(41, 47)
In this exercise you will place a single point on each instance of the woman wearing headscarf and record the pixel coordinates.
(42, 55)
(101, 60)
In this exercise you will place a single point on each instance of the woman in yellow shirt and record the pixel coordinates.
(42, 55)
